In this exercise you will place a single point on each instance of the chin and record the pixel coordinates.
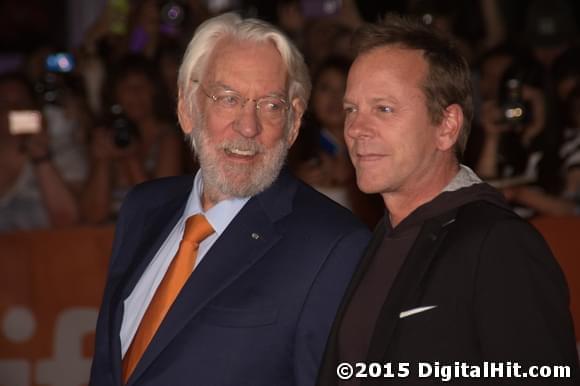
(367, 182)
(367, 187)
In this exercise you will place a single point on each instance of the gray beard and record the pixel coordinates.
(223, 180)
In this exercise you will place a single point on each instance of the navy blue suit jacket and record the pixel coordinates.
(256, 311)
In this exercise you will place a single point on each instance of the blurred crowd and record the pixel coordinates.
(78, 129)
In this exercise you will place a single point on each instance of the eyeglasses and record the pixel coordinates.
(271, 109)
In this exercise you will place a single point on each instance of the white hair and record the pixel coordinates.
(231, 25)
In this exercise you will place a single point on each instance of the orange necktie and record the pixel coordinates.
(197, 228)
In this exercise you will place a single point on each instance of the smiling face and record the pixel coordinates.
(394, 145)
(240, 155)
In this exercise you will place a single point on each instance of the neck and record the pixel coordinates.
(402, 203)
(210, 197)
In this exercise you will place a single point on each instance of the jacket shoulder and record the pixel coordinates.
(484, 216)
(488, 227)
(156, 192)
(488, 212)
(166, 186)
(322, 213)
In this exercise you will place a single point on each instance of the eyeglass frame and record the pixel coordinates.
(243, 99)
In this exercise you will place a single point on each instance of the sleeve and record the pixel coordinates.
(322, 303)
(521, 301)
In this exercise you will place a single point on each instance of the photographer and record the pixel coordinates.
(512, 125)
(519, 147)
(565, 201)
(135, 143)
(36, 191)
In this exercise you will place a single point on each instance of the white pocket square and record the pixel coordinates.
(414, 311)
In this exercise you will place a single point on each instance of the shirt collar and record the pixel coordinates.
(219, 215)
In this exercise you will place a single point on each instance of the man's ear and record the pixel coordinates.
(185, 115)
(298, 108)
(450, 127)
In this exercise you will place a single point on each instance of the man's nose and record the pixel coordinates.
(357, 126)
(247, 122)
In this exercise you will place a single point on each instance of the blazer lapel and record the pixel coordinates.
(246, 240)
(406, 289)
(151, 238)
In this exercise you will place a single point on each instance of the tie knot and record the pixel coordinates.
(197, 228)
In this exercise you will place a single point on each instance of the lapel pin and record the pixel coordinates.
(255, 236)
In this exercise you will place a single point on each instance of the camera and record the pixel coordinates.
(52, 86)
(515, 109)
(49, 88)
(124, 130)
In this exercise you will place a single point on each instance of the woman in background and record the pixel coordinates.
(319, 157)
(37, 178)
(136, 143)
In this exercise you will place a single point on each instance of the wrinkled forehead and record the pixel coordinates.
(388, 65)
(241, 63)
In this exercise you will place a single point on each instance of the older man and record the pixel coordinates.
(452, 277)
(248, 295)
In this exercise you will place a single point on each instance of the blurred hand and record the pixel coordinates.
(103, 146)
(538, 110)
(492, 119)
(35, 145)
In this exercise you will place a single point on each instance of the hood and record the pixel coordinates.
(465, 187)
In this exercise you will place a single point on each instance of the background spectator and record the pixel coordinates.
(319, 157)
(136, 142)
(37, 179)
(537, 37)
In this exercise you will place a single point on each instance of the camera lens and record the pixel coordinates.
(514, 110)
(124, 130)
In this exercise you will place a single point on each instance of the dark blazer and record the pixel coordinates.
(258, 308)
(499, 296)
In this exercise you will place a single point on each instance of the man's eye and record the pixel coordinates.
(384, 109)
(271, 105)
(348, 109)
(228, 100)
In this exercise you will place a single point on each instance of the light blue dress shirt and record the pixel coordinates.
(219, 216)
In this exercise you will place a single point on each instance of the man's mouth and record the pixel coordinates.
(369, 157)
(240, 152)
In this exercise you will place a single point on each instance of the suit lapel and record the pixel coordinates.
(407, 287)
(157, 224)
(245, 241)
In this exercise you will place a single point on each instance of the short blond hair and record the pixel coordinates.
(448, 78)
